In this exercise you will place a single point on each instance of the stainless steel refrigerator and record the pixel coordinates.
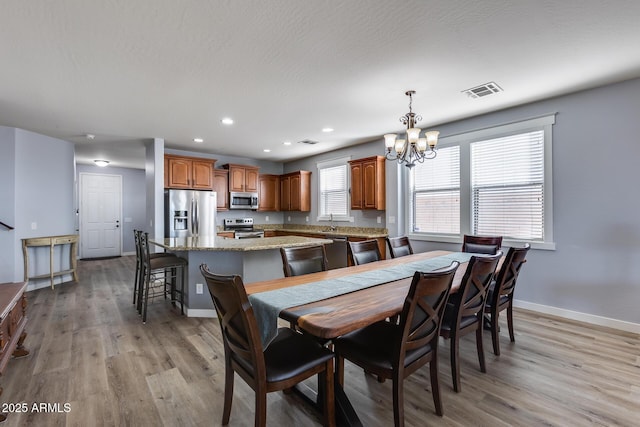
(189, 213)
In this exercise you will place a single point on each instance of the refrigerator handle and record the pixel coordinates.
(196, 223)
(193, 217)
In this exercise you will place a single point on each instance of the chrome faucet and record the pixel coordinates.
(331, 227)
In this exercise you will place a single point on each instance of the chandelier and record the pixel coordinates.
(412, 149)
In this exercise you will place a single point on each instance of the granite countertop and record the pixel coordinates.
(215, 243)
(365, 232)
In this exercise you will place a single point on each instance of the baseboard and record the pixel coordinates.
(128, 253)
(198, 312)
(581, 317)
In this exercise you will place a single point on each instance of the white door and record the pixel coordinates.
(100, 212)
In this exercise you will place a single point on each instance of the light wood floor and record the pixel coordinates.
(90, 349)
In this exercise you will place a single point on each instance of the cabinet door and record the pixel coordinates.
(236, 179)
(221, 187)
(202, 175)
(294, 201)
(179, 173)
(356, 186)
(369, 187)
(268, 193)
(285, 193)
(251, 179)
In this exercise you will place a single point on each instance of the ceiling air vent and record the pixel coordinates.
(483, 90)
(307, 141)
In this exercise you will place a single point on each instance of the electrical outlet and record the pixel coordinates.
(288, 218)
(392, 220)
(199, 288)
(34, 225)
(306, 218)
(379, 219)
(266, 218)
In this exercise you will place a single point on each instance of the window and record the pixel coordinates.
(436, 193)
(507, 186)
(333, 181)
(494, 181)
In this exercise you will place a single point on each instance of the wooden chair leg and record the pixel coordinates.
(145, 295)
(398, 400)
(228, 391)
(479, 347)
(261, 407)
(455, 364)
(510, 321)
(435, 383)
(495, 336)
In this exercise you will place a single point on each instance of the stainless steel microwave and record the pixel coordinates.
(239, 200)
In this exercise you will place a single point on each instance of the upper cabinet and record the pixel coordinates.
(295, 191)
(188, 172)
(242, 177)
(268, 192)
(368, 183)
(221, 187)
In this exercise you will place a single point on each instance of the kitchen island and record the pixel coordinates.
(253, 259)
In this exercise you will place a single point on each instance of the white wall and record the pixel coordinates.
(595, 269)
(39, 190)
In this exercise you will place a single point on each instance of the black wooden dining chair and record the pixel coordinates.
(395, 351)
(501, 294)
(303, 260)
(399, 246)
(464, 311)
(481, 244)
(364, 252)
(289, 359)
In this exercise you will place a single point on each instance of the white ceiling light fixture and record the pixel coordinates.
(198, 140)
(413, 149)
(267, 150)
(227, 121)
(101, 163)
(286, 143)
(327, 130)
(90, 136)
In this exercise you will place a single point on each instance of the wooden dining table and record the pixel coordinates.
(335, 316)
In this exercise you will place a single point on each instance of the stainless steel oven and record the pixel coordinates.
(239, 200)
(242, 228)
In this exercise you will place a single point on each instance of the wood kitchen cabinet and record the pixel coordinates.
(221, 187)
(242, 177)
(268, 192)
(295, 191)
(368, 183)
(189, 172)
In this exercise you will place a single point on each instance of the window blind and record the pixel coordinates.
(436, 193)
(507, 184)
(334, 193)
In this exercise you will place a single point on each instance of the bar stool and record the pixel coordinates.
(164, 270)
(138, 277)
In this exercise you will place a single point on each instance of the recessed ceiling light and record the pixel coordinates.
(198, 140)
(90, 136)
(326, 130)
(286, 143)
(227, 121)
(101, 163)
(266, 150)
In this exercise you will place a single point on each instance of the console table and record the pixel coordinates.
(13, 318)
(52, 242)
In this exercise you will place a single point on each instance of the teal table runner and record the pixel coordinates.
(268, 305)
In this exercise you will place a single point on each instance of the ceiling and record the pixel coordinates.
(129, 71)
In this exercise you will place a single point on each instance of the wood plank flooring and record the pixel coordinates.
(89, 349)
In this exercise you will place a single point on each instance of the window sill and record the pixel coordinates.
(545, 246)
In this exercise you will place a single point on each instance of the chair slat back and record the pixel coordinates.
(424, 306)
(304, 260)
(399, 246)
(237, 320)
(475, 284)
(364, 252)
(482, 244)
(506, 280)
